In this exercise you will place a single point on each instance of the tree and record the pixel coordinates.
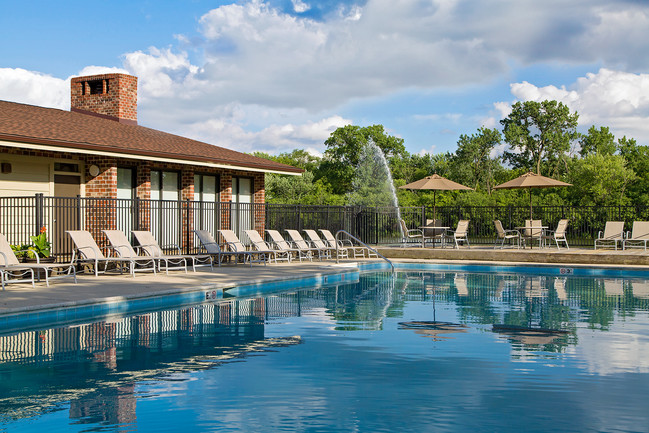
(597, 141)
(344, 147)
(600, 180)
(637, 159)
(473, 157)
(539, 135)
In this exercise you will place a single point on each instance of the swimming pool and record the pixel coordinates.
(426, 350)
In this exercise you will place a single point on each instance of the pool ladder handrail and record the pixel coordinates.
(363, 244)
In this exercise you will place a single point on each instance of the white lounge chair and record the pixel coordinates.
(613, 234)
(260, 245)
(346, 244)
(12, 271)
(298, 242)
(315, 240)
(559, 235)
(120, 245)
(234, 244)
(211, 247)
(461, 234)
(279, 243)
(639, 236)
(503, 235)
(87, 252)
(150, 246)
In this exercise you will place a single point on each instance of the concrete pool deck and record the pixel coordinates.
(90, 289)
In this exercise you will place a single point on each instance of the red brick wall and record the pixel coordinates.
(118, 98)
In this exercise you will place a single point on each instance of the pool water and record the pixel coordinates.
(418, 352)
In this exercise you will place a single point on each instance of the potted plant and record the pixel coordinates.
(40, 249)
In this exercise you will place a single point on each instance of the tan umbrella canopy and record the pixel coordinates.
(435, 183)
(531, 180)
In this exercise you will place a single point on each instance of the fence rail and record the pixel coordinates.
(173, 222)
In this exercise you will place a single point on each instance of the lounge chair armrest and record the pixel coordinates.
(4, 258)
(599, 234)
(170, 246)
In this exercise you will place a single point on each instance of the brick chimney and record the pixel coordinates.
(111, 96)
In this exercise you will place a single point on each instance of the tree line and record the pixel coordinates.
(536, 136)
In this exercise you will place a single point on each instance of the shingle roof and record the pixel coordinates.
(39, 125)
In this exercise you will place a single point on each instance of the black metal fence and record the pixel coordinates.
(173, 222)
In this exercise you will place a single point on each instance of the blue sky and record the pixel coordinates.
(283, 74)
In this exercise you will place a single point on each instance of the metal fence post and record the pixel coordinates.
(187, 218)
(39, 212)
(136, 213)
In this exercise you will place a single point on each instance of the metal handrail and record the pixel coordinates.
(363, 244)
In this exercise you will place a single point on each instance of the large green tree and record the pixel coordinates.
(539, 135)
(597, 141)
(344, 149)
(473, 164)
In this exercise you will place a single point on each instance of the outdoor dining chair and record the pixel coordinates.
(533, 232)
(150, 246)
(461, 234)
(503, 235)
(638, 237)
(279, 243)
(12, 271)
(411, 233)
(558, 235)
(613, 235)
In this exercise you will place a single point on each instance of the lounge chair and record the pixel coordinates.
(411, 233)
(86, 251)
(535, 232)
(260, 245)
(12, 271)
(298, 242)
(280, 244)
(613, 234)
(503, 235)
(346, 245)
(320, 244)
(234, 244)
(151, 248)
(639, 236)
(211, 247)
(461, 234)
(559, 235)
(120, 245)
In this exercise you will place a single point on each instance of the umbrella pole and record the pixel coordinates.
(530, 203)
(434, 206)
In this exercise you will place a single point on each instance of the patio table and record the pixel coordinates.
(541, 230)
(441, 229)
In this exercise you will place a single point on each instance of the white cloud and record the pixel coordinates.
(27, 87)
(619, 100)
(299, 6)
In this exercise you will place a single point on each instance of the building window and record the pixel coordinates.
(206, 188)
(164, 185)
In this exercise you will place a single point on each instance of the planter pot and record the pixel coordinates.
(50, 259)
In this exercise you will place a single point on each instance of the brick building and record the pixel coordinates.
(98, 151)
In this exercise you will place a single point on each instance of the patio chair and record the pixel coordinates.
(151, 248)
(535, 233)
(559, 235)
(234, 244)
(280, 244)
(301, 244)
(315, 240)
(612, 235)
(211, 247)
(12, 271)
(503, 235)
(439, 234)
(461, 234)
(86, 251)
(260, 245)
(120, 245)
(347, 245)
(411, 233)
(638, 237)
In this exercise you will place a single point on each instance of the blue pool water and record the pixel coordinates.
(423, 351)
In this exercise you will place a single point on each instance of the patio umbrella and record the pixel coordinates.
(531, 180)
(435, 183)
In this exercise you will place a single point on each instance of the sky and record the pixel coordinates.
(280, 75)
